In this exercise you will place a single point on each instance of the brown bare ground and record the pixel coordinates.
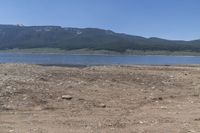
(105, 99)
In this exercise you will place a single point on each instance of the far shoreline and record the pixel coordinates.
(88, 52)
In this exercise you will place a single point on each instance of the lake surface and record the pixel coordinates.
(62, 59)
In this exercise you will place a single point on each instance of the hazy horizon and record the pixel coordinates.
(173, 20)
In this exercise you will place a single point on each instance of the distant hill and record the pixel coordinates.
(25, 37)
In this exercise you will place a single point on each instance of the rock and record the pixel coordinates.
(8, 87)
(191, 131)
(141, 122)
(153, 87)
(197, 119)
(157, 99)
(67, 97)
(10, 131)
(163, 107)
(102, 105)
(43, 79)
(160, 98)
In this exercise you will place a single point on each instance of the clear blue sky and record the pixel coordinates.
(170, 19)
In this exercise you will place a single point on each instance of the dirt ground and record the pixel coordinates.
(99, 99)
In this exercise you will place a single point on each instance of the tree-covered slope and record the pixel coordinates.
(15, 36)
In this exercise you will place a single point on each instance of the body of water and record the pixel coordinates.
(62, 59)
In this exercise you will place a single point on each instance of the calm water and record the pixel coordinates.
(96, 59)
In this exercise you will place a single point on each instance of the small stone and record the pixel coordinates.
(157, 99)
(163, 107)
(141, 122)
(191, 131)
(153, 87)
(67, 97)
(11, 131)
(102, 105)
(197, 119)
(160, 98)
(9, 87)
(43, 79)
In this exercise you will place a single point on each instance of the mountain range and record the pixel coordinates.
(27, 37)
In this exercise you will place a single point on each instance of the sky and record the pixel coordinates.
(169, 19)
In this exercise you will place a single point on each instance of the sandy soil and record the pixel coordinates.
(98, 99)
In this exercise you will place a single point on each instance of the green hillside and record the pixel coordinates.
(26, 37)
